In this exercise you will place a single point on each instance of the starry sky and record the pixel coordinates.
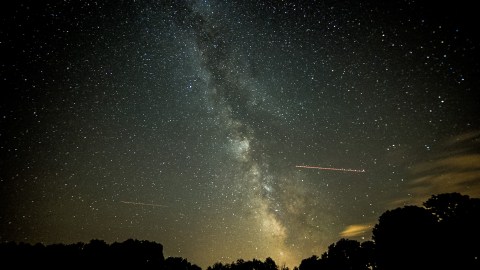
(182, 122)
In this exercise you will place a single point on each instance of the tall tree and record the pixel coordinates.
(458, 219)
(404, 239)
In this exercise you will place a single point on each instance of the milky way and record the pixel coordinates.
(194, 123)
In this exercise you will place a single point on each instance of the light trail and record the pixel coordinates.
(145, 204)
(330, 169)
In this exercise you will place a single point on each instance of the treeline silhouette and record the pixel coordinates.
(268, 264)
(443, 234)
(132, 254)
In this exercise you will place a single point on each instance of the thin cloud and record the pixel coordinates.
(464, 137)
(455, 169)
(356, 230)
(459, 162)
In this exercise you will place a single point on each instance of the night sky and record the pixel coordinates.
(182, 122)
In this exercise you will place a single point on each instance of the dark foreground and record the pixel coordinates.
(443, 234)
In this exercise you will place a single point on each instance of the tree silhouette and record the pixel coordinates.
(404, 239)
(458, 218)
(310, 263)
(218, 266)
(344, 254)
(96, 254)
(240, 264)
(178, 263)
(451, 207)
(270, 264)
(367, 251)
(444, 234)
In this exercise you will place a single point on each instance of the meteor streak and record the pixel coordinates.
(330, 169)
(146, 204)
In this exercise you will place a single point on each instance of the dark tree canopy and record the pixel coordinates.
(444, 234)
(309, 263)
(97, 254)
(458, 237)
(178, 263)
(404, 238)
(268, 264)
(345, 254)
(453, 207)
